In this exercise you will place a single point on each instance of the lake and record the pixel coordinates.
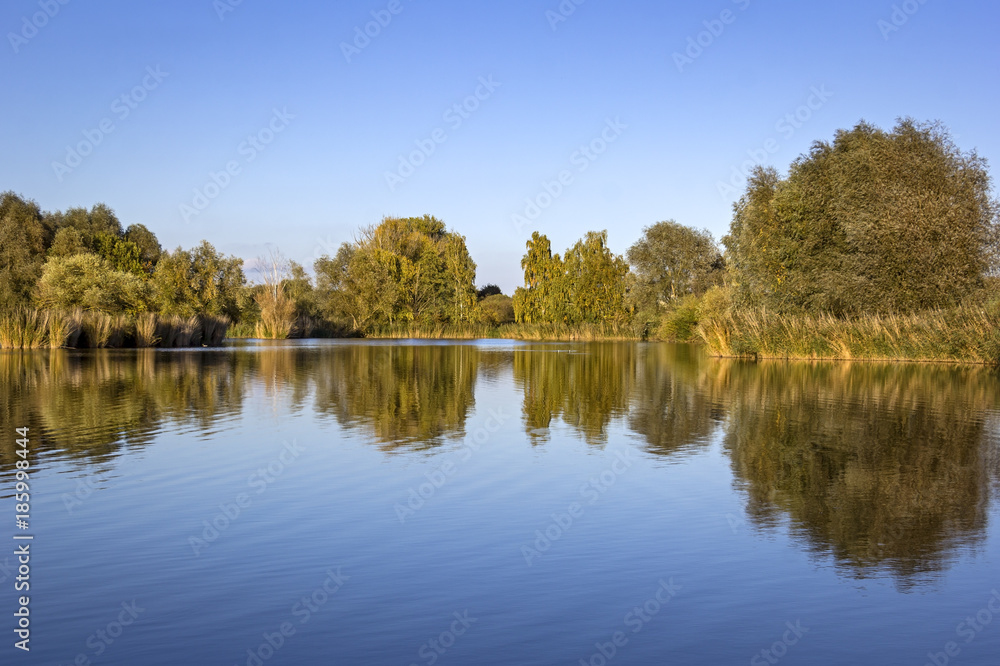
(497, 502)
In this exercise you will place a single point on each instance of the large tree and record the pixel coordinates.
(22, 249)
(873, 222)
(401, 270)
(671, 261)
(199, 281)
(588, 285)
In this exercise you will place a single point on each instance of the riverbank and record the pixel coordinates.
(80, 329)
(965, 334)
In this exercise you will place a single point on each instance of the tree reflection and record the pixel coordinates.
(881, 465)
(407, 397)
(584, 385)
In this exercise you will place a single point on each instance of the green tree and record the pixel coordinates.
(539, 300)
(671, 261)
(588, 285)
(22, 249)
(402, 270)
(873, 222)
(98, 221)
(88, 281)
(121, 255)
(199, 281)
(67, 242)
(149, 245)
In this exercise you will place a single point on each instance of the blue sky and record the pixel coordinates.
(328, 123)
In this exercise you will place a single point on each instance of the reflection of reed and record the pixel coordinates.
(883, 465)
(90, 404)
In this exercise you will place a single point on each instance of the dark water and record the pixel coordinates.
(501, 503)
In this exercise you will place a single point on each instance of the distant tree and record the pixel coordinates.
(121, 255)
(597, 280)
(199, 281)
(99, 220)
(541, 298)
(488, 290)
(874, 222)
(497, 309)
(402, 270)
(671, 261)
(588, 285)
(149, 246)
(22, 249)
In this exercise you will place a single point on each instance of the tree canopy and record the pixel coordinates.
(873, 222)
(588, 285)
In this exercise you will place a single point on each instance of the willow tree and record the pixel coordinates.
(873, 222)
(587, 285)
(401, 270)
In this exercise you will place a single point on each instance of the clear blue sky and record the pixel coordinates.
(324, 173)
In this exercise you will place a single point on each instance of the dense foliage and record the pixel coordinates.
(875, 222)
(587, 285)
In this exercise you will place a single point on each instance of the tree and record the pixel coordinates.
(67, 242)
(88, 281)
(873, 222)
(538, 301)
(488, 290)
(148, 244)
(497, 309)
(22, 249)
(671, 261)
(402, 270)
(99, 220)
(588, 285)
(199, 281)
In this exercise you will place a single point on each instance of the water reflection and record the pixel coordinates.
(405, 396)
(881, 467)
(586, 386)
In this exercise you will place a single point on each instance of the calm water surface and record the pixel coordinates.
(501, 503)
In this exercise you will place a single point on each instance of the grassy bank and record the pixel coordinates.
(538, 332)
(80, 329)
(968, 334)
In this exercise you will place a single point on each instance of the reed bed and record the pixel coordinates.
(969, 334)
(535, 332)
(79, 329)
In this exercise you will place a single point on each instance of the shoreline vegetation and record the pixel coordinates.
(880, 246)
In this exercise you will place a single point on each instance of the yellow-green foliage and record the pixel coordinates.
(968, 334)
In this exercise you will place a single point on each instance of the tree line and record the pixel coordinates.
(874, 222)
